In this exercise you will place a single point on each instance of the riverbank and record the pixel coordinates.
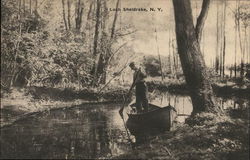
(205, 136)
(19, 103)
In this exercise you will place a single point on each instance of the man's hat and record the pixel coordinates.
(131, 64)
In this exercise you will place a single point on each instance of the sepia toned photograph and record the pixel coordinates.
(125, 79)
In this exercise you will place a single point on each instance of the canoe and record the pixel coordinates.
(156, 119)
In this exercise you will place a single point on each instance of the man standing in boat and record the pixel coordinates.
(141, 89)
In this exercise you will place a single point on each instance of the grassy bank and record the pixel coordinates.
(205, 136)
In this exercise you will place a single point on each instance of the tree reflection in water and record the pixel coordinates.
(98, 134)
(89, 132)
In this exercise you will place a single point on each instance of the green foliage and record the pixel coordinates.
(34, 55)
(17, 43)
(61, 60)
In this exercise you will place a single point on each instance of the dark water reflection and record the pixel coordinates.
(88, 132)
(184, 108)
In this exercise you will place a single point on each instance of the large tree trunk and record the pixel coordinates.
(192, 62)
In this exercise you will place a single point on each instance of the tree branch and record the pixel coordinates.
(113, 53)
(201, 19)
(125, 34)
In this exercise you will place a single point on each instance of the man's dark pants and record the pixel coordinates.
(141, 96)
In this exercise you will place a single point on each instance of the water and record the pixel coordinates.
(183, 103)
(92, 131)
(85, 131)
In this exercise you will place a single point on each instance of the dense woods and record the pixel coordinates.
(33, 54)
(241, 20)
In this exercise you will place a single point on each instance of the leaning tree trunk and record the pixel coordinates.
(192, 61)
